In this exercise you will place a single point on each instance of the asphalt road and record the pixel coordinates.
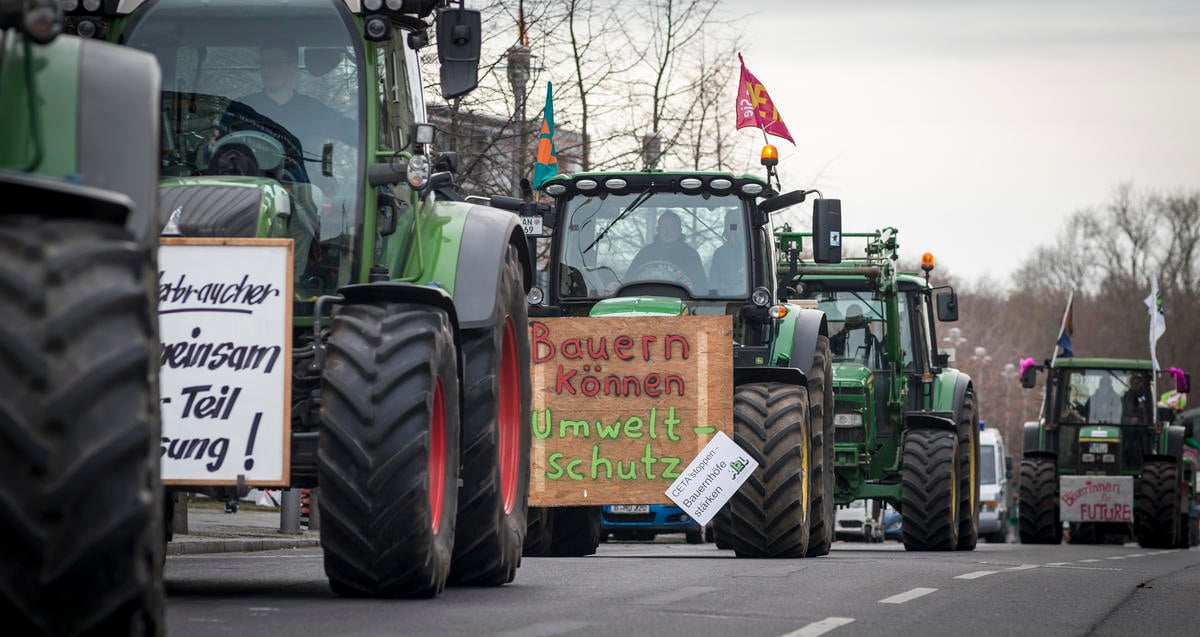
(666, 589)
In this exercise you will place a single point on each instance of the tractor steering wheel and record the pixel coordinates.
(662, 271)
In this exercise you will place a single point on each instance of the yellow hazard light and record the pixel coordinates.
(927, 261)
(770, 155)
(778, 311)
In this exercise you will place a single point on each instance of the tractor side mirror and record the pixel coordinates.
(327, 159)
(1029, 377)
(827, 230)
(1008, 467)
(779, 202)
(458, 42)
(947, 306)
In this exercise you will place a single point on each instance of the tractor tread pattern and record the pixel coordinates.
(821, 482)
(373, 454)
(488, 542)
(1156, 520)
(769, 517)
(930, 518)
(1039, 521)
(80, 518)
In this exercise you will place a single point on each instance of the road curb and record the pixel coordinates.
(238, 545)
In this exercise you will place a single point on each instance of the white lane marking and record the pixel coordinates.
(1023, 567)
(546, 629)
(907, 596)
(1115, 557)
(975, 574)
(669, 597)
(820, 628)
(1057, 563)
(1139, 555)
(1089, 561)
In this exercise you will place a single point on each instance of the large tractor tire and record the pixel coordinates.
(769, 513)
(539, 531)
(492, 503)
(722, 527)
(929, 490)
(1156, 519)
(81, 536)
(821, 479)
(968, 472)
(1039, 521)
(388, 453)
(576, 531)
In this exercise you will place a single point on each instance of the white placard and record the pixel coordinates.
(1096, 498)
(225, 325)
(711, 478)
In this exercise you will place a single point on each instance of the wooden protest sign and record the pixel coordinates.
(622, 404)
(225, 322)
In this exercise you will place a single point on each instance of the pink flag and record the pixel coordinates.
(755, 108)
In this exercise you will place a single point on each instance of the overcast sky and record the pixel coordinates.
(977, 127)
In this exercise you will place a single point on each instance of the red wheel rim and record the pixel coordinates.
(437, 458)
(509, 418)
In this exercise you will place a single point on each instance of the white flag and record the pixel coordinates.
(1158, 322)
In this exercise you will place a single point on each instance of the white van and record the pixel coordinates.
(995, 490)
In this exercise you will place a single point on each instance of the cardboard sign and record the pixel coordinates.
(621, 403)
(225, 321)
(711, 478)
(1096, 498)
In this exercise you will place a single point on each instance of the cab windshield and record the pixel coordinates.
(1106, 396)
(692, 241)
(254, 88)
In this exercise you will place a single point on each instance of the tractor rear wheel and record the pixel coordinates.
(968, 472)
(539, 531)
(388, 452)
(576, 531)
(1039, 523)
(929, 491)
(820, 410)
(492, 503)
(81, 536)
(1156, 520)
(770, 512)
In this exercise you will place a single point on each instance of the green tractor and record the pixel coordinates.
(410, 383)
(680, 243)
(1101, 427)
(80, 498)
(906, 426)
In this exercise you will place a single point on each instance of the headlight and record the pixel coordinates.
(760, 297)
(1088, 457)
(1108, 457)
(418, 171)
(850, 419)
(535, 296)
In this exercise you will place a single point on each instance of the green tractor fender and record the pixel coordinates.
(66, 146)
(486, 236)
(792, 351)
(1032, 437)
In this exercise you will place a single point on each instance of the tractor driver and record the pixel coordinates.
(669, 249)
(727, 271)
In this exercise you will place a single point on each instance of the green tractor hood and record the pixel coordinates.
(851, 375)
(639, 306)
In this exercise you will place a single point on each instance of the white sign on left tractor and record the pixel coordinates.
(225, 322)
(712, 478)
(1096, 498)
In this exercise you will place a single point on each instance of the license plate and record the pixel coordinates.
(630, 508)
(532, 226)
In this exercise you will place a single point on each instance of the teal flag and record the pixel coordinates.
(546, 165)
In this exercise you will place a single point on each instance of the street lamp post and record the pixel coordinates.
(954, 340)
(981, 357)
(518, 79)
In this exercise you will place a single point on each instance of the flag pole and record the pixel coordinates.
(1062, 327)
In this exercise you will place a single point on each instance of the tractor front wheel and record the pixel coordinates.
(929, 491)
(770, 512)
(1156, 520)
(388, 452)
(81, 539)
(968, 472)
(1039, 523)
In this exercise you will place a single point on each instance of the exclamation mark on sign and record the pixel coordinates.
(250, 443)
